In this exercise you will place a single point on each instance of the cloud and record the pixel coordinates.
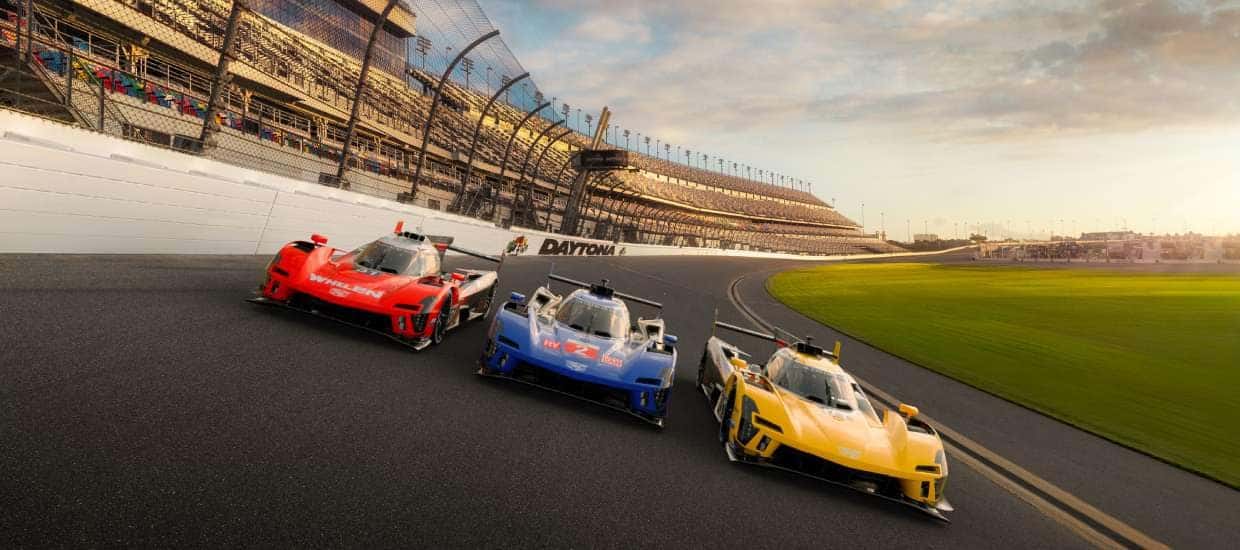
(970, 69)
(611, 28)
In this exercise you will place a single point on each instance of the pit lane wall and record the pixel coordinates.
(68, 190)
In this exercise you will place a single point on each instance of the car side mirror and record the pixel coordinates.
(670, 340)
(516, 298)
(908, 411)
(458, 277)
(755, 368)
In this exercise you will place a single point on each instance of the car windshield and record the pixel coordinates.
(592, 318)
(388, 258)
(830, 389)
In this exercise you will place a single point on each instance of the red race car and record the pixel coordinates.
(392, 286)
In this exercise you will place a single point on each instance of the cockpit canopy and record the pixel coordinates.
(597, 317)
(835, 390)
(398, 256)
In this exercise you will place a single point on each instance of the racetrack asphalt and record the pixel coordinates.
(143, 403)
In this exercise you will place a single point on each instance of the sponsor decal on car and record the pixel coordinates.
(850, 452)
(565, 247)
(612, 361)
(346, 287)
(579, 349)
(550, 344)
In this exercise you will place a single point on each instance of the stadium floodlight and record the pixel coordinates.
(423, 46)
(467, 65)
(626, 138)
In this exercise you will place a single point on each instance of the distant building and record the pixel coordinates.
(1109, 236)
(925, 238)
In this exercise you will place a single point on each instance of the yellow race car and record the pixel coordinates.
(801, 412)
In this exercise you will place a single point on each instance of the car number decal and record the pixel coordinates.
(579, 349)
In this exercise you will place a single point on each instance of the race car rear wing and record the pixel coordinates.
(603, 288)
(443, 243)
(802, 346)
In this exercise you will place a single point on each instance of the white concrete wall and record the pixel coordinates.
(68, 190)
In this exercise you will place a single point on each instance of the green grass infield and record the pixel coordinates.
(1149, 360)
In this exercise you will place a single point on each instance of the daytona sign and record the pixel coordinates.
(555, 247)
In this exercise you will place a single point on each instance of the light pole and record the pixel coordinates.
(467, 65)
(626, 138)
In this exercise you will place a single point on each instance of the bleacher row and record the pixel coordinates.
(731, 203)
(665, 226)
(393, 113)
(722, 181)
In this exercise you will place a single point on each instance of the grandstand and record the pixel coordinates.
(145, 70)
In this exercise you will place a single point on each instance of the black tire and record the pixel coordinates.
(485, 304)
(441, 321)
(701, 375)
(725, 425)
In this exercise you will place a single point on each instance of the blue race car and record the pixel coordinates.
(583, 345)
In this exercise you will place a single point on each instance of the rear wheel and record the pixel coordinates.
(484, 305)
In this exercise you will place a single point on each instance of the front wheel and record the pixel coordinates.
(725, 423)
(701, 374)
(441, 322)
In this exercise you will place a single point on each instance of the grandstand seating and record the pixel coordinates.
(165, 94)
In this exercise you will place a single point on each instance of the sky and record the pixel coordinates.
(1022, 117)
